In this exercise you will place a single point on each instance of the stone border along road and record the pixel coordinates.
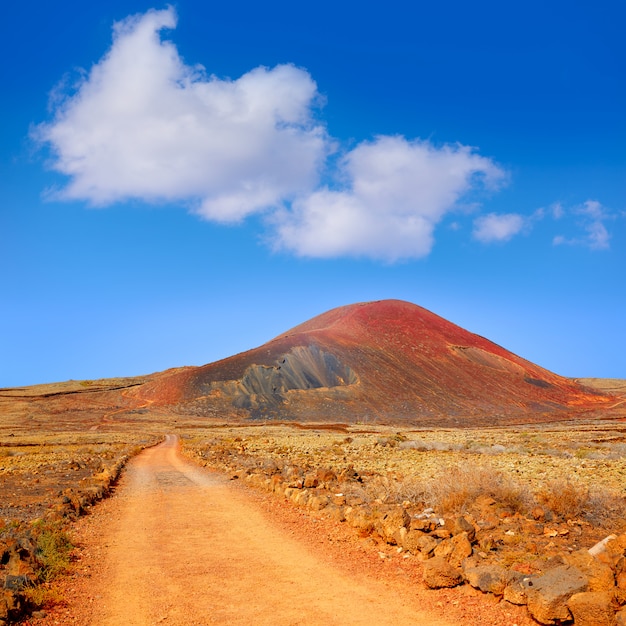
(179, 545)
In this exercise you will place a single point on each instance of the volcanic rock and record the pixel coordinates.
(592, 608)
(438, 573)
(491, 578)
(547, 595)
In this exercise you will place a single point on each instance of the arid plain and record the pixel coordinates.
(495, 517)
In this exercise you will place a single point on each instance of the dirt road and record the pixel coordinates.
(178, 545)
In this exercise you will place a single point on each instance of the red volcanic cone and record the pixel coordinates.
(388, 361)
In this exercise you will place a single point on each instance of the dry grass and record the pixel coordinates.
(453, 490)
(458, 488)
(574, 471)
(569, 500)
(52, 551)
(523, 485)
(35, 467)
(565, 498)
(43, 596)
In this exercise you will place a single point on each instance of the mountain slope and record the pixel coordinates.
(388, 360)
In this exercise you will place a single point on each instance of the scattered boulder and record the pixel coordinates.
(423, 525)
(438, 573)
(463, 525)
(392, 522)
(426, 545)
(411, 539)
(400, 536)
(584, 586)
(339, 499)
(361, 518)
(600, 575)
(326, 477)
(592, 608)
(277, 483)
(515, 591)
(461, 548)
(547, 595)
(491, 578)
(300, 497)
(317, 502)
(292, 474)
(601, 546)
(17, 583)
(455, 549)
(349, 474)
(337, 513)
(614, 551)
(311, 480)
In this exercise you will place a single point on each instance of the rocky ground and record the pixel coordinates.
(37, 470)
(47, 481)
(512, 512)
(509, 511)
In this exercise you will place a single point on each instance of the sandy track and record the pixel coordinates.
(179, 545)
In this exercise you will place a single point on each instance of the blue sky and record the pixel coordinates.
(179, 183)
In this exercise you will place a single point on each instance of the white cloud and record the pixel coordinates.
(145, 125)
(592, 209)
(597, 236)
(395, 192)
(593, 216)
(498, 227)
(557, 210)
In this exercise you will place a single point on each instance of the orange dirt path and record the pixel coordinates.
(178, 545)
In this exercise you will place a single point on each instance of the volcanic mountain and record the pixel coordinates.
(386, 361)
